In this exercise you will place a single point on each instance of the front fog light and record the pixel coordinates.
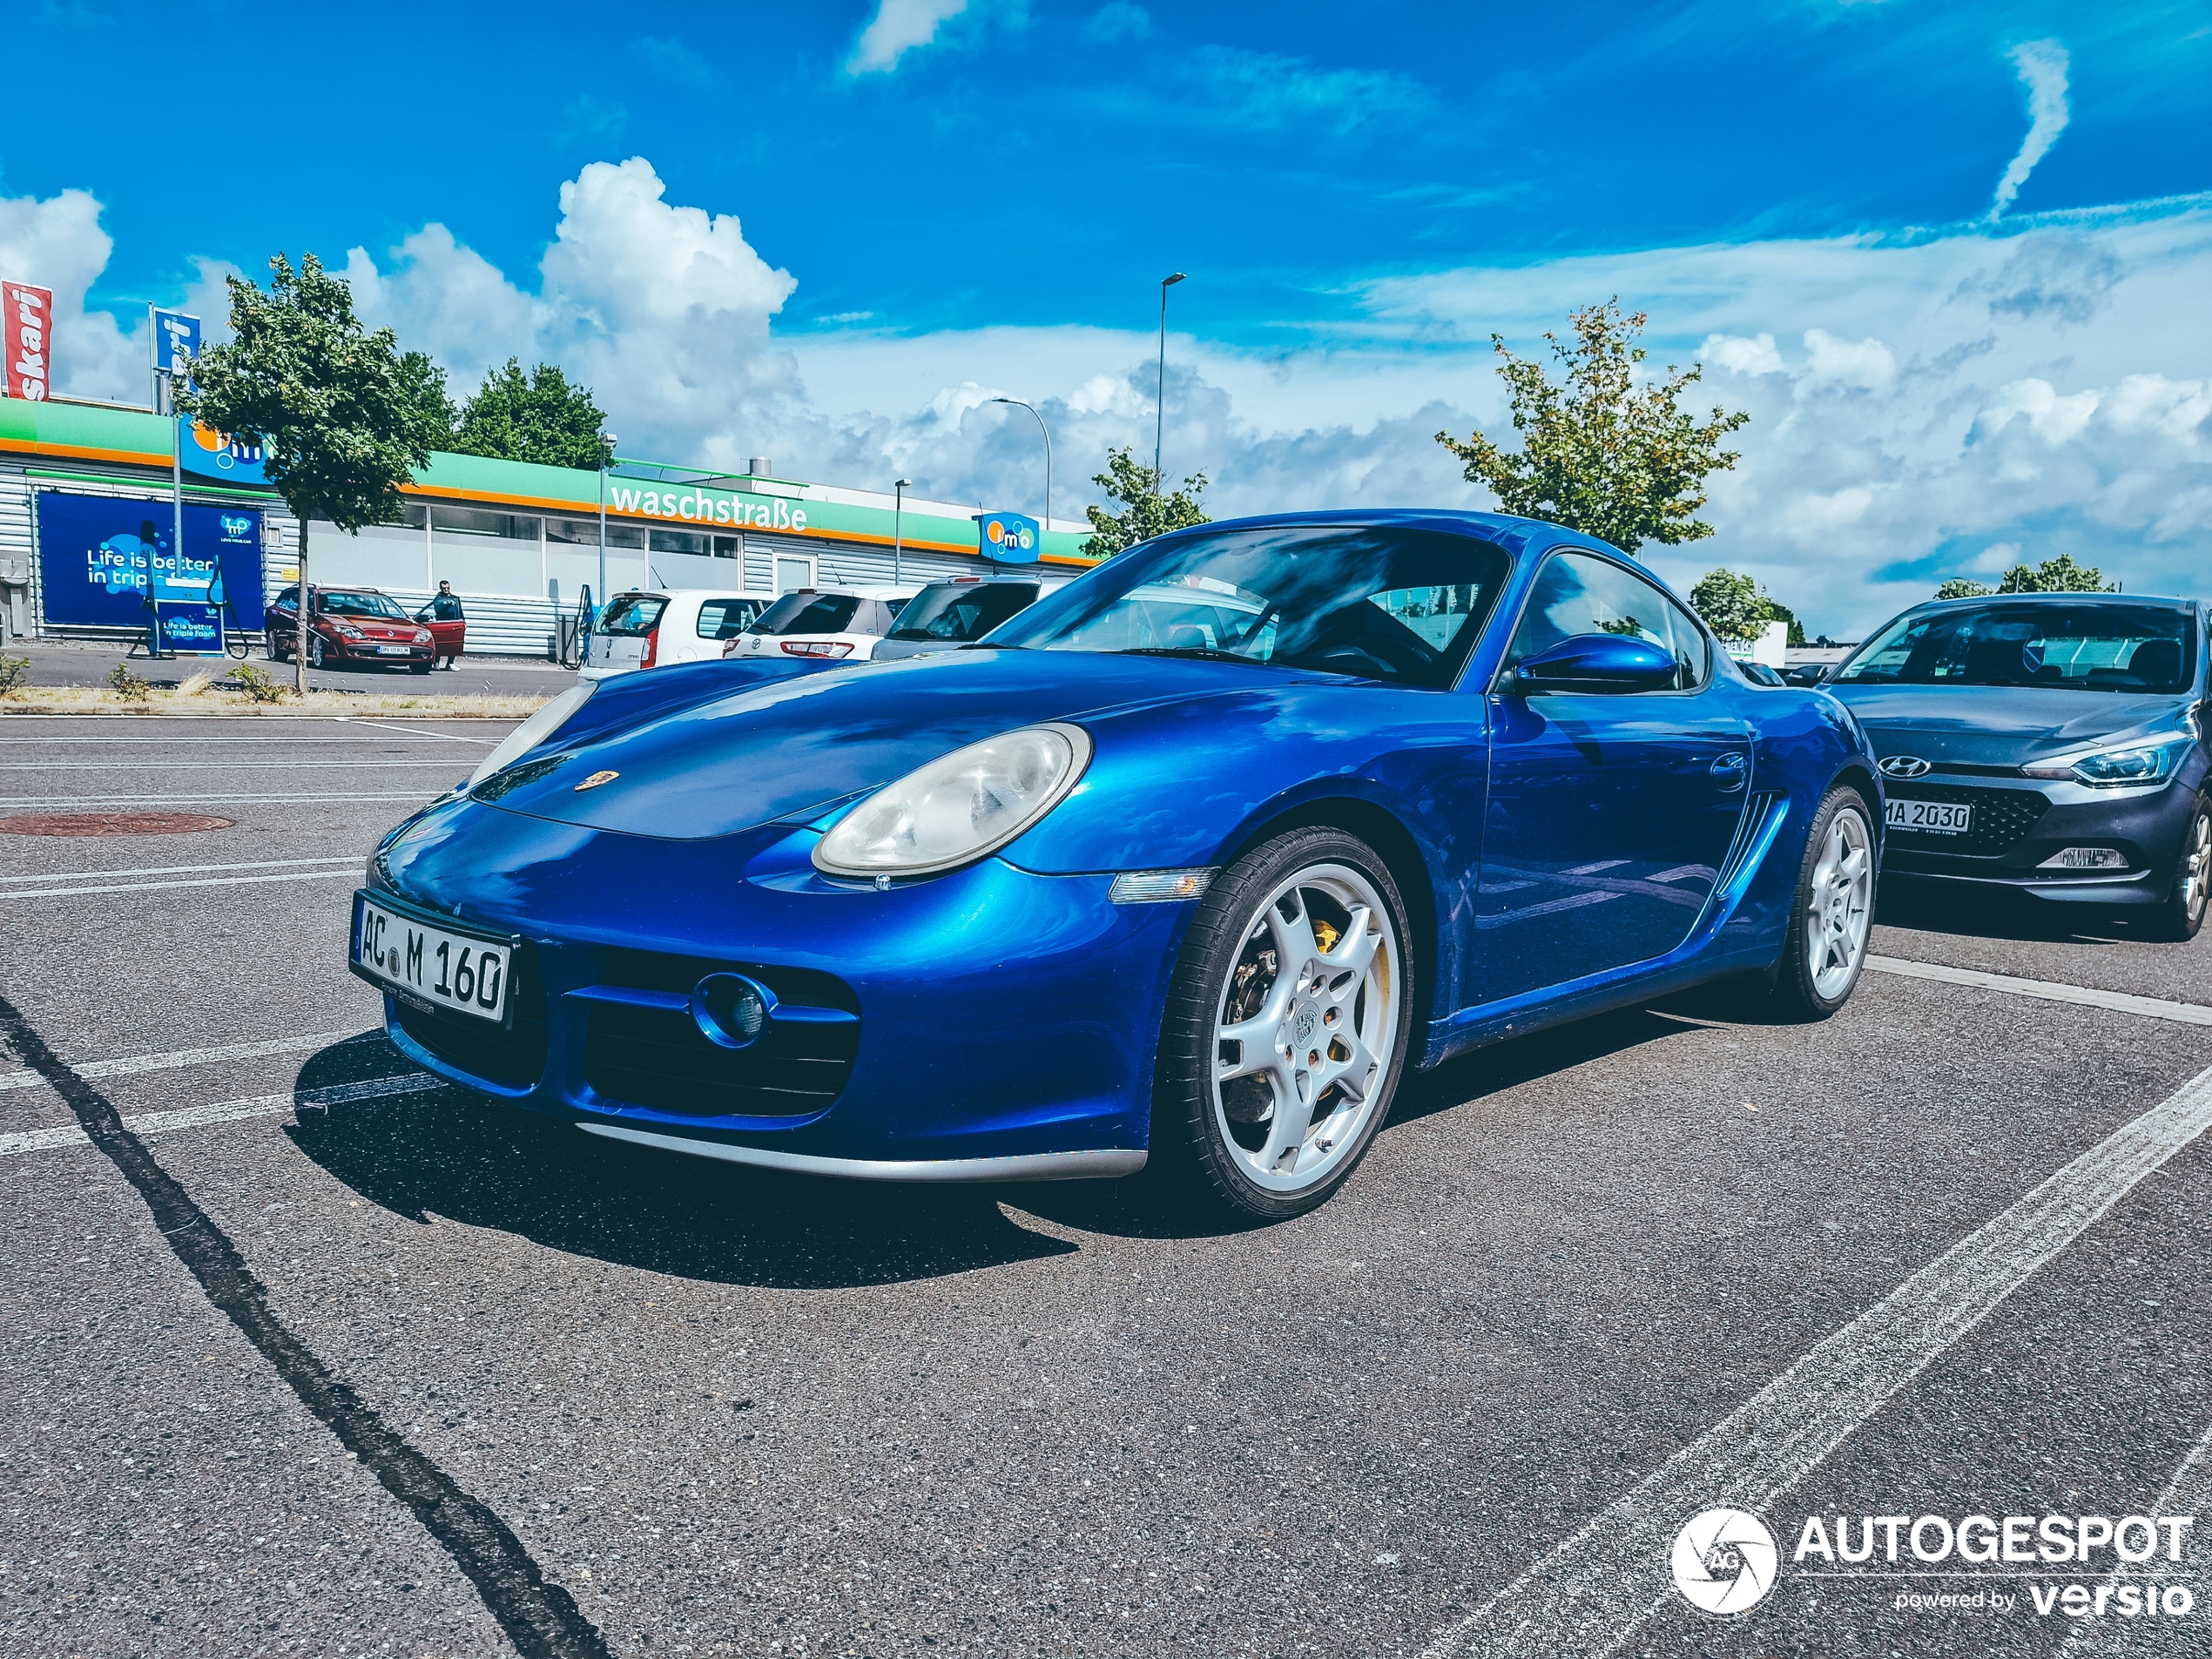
(731, 1010)
(2085, 858)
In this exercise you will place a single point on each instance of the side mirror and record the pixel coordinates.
(1597, 663)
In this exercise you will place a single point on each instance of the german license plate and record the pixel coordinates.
(460, 973)
(1930, 817)
(394, 651)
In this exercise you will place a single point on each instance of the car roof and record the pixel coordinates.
(1515, 534)
(2085, 596)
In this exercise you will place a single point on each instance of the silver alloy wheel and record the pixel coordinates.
(1841, 904)
(2193, 870)
(1304, 1027)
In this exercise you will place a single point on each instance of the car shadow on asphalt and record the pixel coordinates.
(1926, 907)
(449, 1153)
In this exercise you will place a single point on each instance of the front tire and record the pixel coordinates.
(1832, 914)
(276, 648)
(2180, 917)
(1287, 1027)
(314, 650)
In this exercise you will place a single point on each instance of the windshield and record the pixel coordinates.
(632, 614)
(1371, 601)
(2094, 646)
(956, 614)
(807, 613)
(358, 604)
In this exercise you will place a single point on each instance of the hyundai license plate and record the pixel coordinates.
(1932, 817)
(460, 973)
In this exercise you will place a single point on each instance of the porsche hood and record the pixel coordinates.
(792, 748)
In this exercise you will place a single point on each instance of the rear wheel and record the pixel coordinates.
(1287, 1027)
(1833, 914)
(2183, 914)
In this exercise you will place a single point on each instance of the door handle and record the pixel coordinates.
(1730, 769)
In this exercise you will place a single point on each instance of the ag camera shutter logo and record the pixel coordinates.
(1724, 1562)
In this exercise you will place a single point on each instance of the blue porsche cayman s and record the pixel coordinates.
(1188, 863)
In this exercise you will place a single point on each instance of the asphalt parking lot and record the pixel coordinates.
(303, 1353)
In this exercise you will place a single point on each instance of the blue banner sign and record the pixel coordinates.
(205, 452)
(175, 334)
(102, 562)
(1007, 537)
(190, 631)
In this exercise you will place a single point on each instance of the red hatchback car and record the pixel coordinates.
(350, 625)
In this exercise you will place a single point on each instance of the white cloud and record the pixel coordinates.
(1742, 356)
(2041, 65)
(1118, 20)
(898, 27)
(2039, 387)
(1866, 364)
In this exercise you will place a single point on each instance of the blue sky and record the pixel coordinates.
(829, 233)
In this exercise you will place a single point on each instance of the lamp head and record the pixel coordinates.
(1169, 282)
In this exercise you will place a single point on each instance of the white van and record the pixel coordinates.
(845, 623)
(643, 628)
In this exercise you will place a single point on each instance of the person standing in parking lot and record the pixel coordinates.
(446, 607)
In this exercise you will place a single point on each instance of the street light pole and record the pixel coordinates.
(897, 512)
(1159, 390)
(607, 442)
(1046, 430)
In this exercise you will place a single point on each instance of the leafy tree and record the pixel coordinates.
(1732, 605)
(423, 384)
(537, 416)
(2061, 575)
(338, 412)
(1600, 452)
(1145, 513)
(1776, 611)
(1959, 588)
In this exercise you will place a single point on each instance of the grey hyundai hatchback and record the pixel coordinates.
(2048, 744)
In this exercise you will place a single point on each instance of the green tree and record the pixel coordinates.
(1600, 452)
(1776, 611)
(1959, 588)
(537, 416)
(1144, 512)
(422, 385)
(338, 412)
(2061, 575)
(1732, 605)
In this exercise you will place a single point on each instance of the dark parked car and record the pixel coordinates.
(947, 615)
(2048, 744)
(350, 625)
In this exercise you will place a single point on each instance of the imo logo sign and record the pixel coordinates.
(1724, 1562)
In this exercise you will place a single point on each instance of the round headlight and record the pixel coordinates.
(956, 809)
(534, 731)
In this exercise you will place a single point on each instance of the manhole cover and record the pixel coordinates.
(110, 824)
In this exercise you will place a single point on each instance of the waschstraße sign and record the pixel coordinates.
(55, 435)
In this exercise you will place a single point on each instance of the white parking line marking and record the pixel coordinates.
(2150, 1007)
(2187, 1493)
(143, 764)
(416, 730)
(1590, 1593)
(188, 869)
(349, 873)
(133, 1065)
(227, 1111)
(163, 801)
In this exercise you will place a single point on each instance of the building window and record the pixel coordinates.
(470, 520)
(584, 532)
(678, 542)
(729, 547)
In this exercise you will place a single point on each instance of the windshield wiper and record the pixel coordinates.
(1204, 653)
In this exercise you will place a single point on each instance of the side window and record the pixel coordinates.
(723, 618)
(1577, 594)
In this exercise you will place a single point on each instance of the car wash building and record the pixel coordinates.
(87, 524)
